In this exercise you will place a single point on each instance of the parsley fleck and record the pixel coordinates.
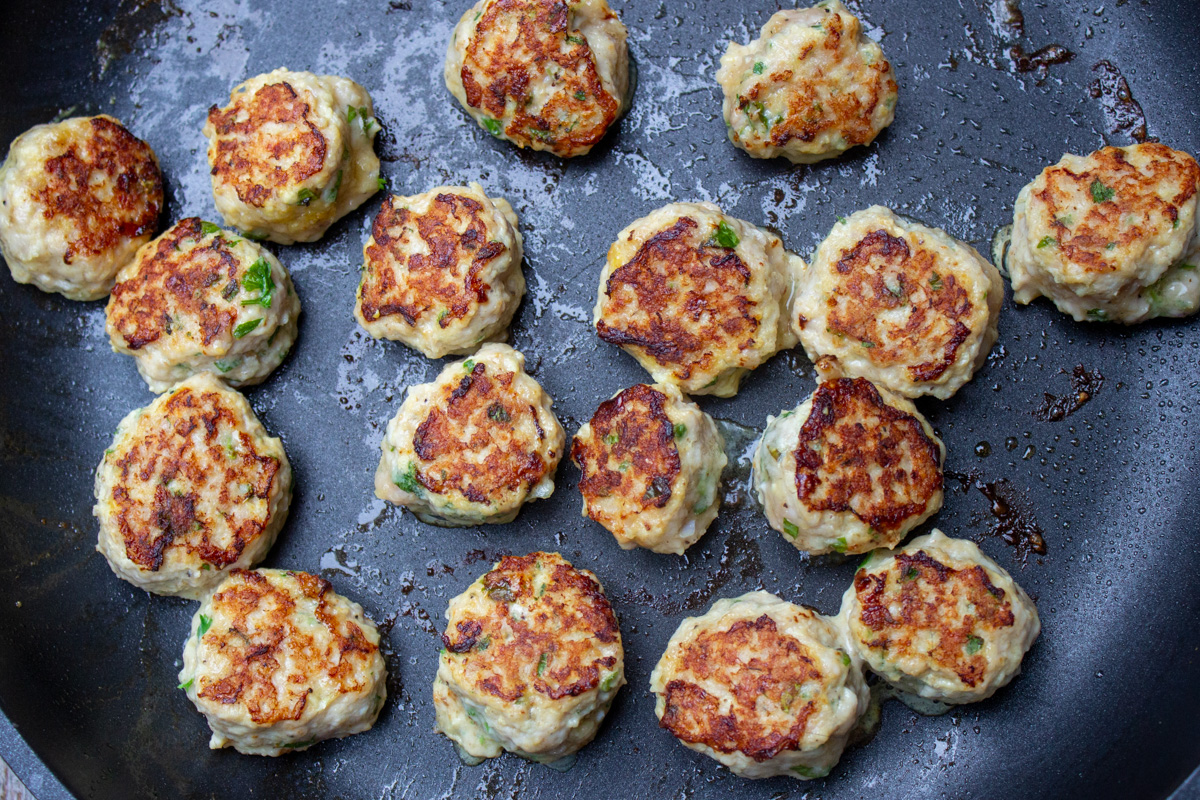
(258, 279)
(498, 413)
(935, 282)
(790, 529)
(759, 67)
(381, 182)
(581, 95)
(205, 624)
(1046, 242)
(493, 127)
(408, 481)
(1101, 193)
(680, 430)
(974, 645)
(246, 327)
(725, 236)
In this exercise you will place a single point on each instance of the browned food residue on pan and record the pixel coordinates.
(1123, 116)
(1084, 385)
(1013, 515)
(739, 556)
(1039, 61)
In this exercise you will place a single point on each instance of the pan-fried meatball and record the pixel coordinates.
(291, 154)
(191, 488)
(531, 662)
(939, 619)
(651, 463)
(762, 686)
(852, 468)
(199, 299)
(1112, 236)
(809, 88)
(442, 271)
(909, 307)
(474, 445)
(697, 297)
(77, 199)
(277, 661)
(541, 73)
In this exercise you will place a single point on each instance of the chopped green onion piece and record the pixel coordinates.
(205, 624)
(726, 237)
(499, 413)
(408, 481)
(841, 220)
(305, 197)
(581, 95)
(246, 327)
(226, 366)
(493, 126)
(541, 667)
(790, 529)
(1097, 315)
(759, 67)
(381, 182)
(845, 660)
(611, 439)
(469, 364)
(1187, 266)
(609, 680)
(935, 282)
(680, 430)
(867, 343)
(298, 745)
(839, 546)
(974, 645)
(1101, 193)
(910, 574)
(186, 684)
(1046, 242)
(208, 228)
(332, 192)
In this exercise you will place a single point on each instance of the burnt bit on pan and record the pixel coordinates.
(1123, 116)
(1084, 385)
(1013, 521)
(1039, 61)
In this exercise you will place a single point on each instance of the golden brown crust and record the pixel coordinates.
(851, 433)
(882, 273)
(686, 295)
(275, 121)
(1133, 211)
(928, 595)
(170, 280)
(481, 413)
(499, 68)
(211, 475)
(445, 280)
(632, 452)
(557, 633)
(126, 165)
(258, 649)
(753, 661)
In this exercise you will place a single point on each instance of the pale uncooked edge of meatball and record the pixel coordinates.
(198, 581)
(820, 532)
(962, 554)
(827, 746)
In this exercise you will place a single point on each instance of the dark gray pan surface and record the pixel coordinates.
(1108, 702)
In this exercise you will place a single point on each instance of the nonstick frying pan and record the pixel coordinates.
(991, 91)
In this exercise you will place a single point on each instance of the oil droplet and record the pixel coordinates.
(1011, 443)
(1028, 454)
(983, 449)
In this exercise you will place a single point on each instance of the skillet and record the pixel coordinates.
(1107, 704)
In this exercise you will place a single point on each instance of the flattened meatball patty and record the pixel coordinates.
(199, 299)
(277, 661)
(651, 463)
(697, 297)
(77, 199)
(541, 73)
(473, 446)
(939, 619)
(852, 468)
(809, 88)
(442, 271)
(1112, 236)
(531, 663)
(762, 686)
(291, 154)
(909, 307)
(191, 488)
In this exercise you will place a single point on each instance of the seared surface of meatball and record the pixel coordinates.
(699, 298)
(939, 619)
(852, 468)
(909, 307)
(531, 662)
(474, 445)
(277, 661)
(191, 488)
(761, 685)
(543, 74)
(651, 463)
(809, 88)
(199, 299)
(1112, 236)
(291, 154)
(77, 199)
(442, 271)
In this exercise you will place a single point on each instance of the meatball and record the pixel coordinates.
(191, 488)
(762, 686)
(277, 661)
(292, 153)
(77, 199)
(852, 468)
(697, 297)
(1112, 236)
(474, 445)
(651, 463)
(199, 299)
(442, 271)
(909, 307)
(939, 619)
(531, 663)
(541, 73)
(809, 88)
